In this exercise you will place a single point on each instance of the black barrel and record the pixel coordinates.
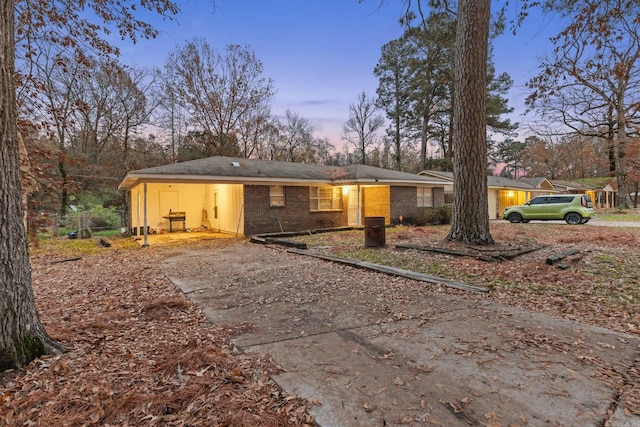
(374, 234)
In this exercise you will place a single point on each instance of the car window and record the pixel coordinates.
(538, 201)
(564, 199)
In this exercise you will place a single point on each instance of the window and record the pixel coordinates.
(276, 195)
(325, 198)
(425, 197)
(538, 200)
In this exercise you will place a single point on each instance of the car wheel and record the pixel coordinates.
(514, 217)
(585, 220)
(573, 218)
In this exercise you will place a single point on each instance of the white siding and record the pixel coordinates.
(188, 198)
(230, 198)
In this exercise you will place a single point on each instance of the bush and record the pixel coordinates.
(444, 214)
(434, 216)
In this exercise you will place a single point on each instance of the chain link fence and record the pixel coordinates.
(79, 223)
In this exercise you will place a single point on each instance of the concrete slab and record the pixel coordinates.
(373, 350)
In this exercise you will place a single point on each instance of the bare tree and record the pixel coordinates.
(219, 91)
(362, 126)
(170, 116)
(135, 100)
(49, 98)
(99, 114)
(256, 131)
(295, 133)
(591, 83)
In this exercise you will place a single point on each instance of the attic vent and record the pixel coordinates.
(235, 164)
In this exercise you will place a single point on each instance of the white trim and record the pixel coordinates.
(131, 181)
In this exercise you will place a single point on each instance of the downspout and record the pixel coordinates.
(145, 228)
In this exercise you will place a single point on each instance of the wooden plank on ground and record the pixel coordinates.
(555, 258)
(518, 252)
(481, 257)
(394, 271)
(287, 243)
(495, 256)
(66, 260)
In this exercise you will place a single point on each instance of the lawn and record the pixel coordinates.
(629, 215)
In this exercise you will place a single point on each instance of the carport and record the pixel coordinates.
(206, 206)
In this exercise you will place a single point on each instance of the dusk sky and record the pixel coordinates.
(320, 53)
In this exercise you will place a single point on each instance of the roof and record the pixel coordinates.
(254, 171)
(569, 185)
(538, 182)
(492, 181)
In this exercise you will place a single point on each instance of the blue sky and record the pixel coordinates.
(319, 53)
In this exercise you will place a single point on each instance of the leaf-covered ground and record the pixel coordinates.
(140, 353)
(599, 285)
(137, 351)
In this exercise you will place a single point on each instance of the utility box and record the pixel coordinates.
(374, 232)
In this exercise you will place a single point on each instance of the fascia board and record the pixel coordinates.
(133, 179)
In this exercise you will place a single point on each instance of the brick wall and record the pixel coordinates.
(404, 201)
(295, 215)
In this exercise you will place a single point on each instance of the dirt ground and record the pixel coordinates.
(368, 349)
(241, 329)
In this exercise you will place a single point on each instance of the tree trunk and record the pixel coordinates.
(424, 138)
(64, 194)
(22, 336)
(448, 139)
(611, 150)
(470, 221)
(397, 158)
(621, 157)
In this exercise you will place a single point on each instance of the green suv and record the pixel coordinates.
(573, 208)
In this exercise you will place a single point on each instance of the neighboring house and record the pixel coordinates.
(247, 196)
(572, 187)
(501, 192)
(604, 197)
(607, 196)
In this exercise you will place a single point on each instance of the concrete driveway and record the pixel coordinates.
(375, 350)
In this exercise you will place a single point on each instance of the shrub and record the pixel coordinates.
(434, 216)
(444, 214)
